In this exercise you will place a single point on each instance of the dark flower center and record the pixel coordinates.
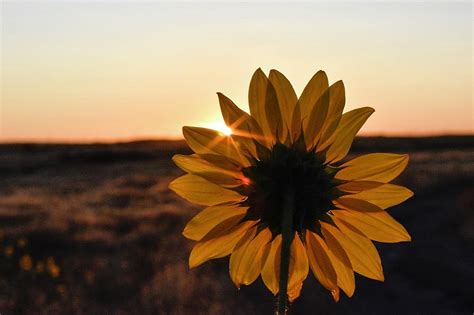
(286, 168)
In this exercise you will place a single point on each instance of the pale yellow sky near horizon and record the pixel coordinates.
(117, 71)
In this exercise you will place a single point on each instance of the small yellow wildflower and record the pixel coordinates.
(53, 268)
(9, 250)
(26, 263)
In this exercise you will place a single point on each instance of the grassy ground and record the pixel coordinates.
(93, 229)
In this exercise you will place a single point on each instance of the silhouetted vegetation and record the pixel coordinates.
(94, 229)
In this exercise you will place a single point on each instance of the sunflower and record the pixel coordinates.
(277, 187)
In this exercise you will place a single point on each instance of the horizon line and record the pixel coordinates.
(117, 140)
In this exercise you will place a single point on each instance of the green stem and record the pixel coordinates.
(287, 234)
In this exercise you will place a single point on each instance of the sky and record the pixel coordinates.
(109, 71)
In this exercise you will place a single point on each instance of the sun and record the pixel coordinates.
(221, 127)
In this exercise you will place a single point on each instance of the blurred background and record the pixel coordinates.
(93, 98)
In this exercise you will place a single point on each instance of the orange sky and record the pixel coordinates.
(118, 71)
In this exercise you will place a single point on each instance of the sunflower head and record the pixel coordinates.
(289, 168)
(290, 146)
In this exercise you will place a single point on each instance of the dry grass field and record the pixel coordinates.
(93, 229)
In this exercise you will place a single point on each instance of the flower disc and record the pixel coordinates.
(289, 168)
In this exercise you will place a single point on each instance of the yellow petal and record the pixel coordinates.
(363, 255)
(312, 131)
(350, 203)
(216, 174)
(221, 162)
(234, 117)
(379, 167)
(257, 103)
(320, 262)
(236, 256)
(246, 262)
(244, 128)
(271, 268)
(294, 292)
(219, 242)
(310, 95)
(198, 190)
(298, 269)
(345, 132)
(286, 98)
(358, 186)
(341, 263)
(385, 196)
(296, 124)
(273, 114)
(246, 145)
(337, 100)
(208, 141)
(209, 218)
(378, 226)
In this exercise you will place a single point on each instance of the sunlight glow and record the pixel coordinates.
(91, 57)
(221, 127)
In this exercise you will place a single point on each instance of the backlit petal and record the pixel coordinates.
(313, 129)
(286, 98)
(298, 269)
(363, 255)
(320, 262)
(193, 164)
(257, 103)
(271, 268)
(208, 141)
(246, 262)
(294, 292)
(378, 226)
(350, 203)
(337, 100)
(244, 128)
(341, 263)
(385, 196)
(358, 186)
(273, 114)
(198, 190)
(234, 117)
(350, 124)
(296, 124)
(310, 95)
(218, 243)
(378, 167)
(209, 218)
(221, 162)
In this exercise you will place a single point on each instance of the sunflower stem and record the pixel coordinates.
(287, 234)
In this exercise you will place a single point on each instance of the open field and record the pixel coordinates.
(93, 229)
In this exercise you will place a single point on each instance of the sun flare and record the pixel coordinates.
(221, 127)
